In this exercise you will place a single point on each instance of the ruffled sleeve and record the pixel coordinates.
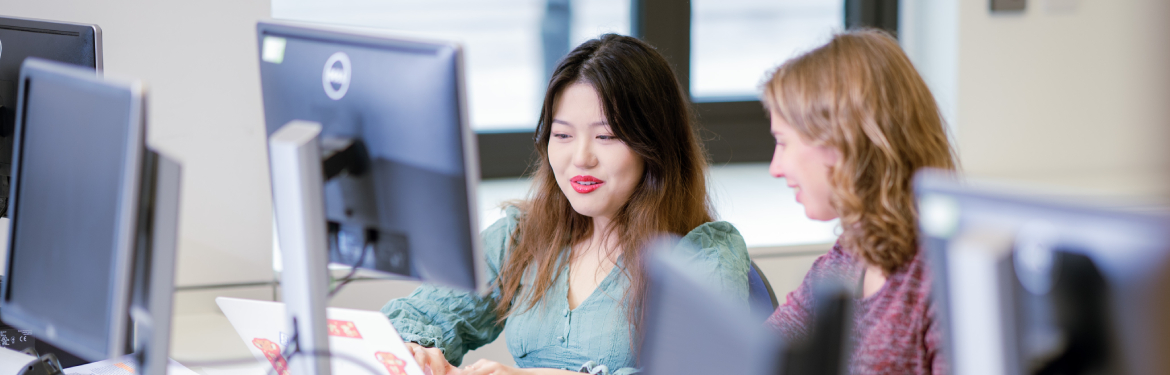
(719, 254)
(456, 321)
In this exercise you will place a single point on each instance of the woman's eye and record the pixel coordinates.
(606, 137)
(560, 136)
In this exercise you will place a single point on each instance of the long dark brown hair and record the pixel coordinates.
(647, 110)
(860, 95)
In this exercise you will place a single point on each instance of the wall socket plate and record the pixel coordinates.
(1008, 5)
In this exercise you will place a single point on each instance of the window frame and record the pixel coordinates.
(732, 129)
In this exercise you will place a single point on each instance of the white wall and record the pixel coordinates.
(199, 61)
(1068, 92)
(929, 33)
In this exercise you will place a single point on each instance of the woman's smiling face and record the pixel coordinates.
(596, 171)
(805, 168)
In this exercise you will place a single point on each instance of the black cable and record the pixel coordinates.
(239, 361)
(294, 345)
(296, 348)
(293, 349)
(352, 271)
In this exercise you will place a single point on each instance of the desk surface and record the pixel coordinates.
(11, 361)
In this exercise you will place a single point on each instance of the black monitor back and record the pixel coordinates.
(404, 101)
(1095, 265)
(70, 43)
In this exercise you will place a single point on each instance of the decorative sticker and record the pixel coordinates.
(124, 367)
(343, 328)
(272, 352)
(273, 49)
(394, 365)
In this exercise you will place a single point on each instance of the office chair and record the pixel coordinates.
(761, 297)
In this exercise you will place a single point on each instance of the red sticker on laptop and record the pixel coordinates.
(272, 351)
(125, 367)
(342, 328)
(393, 365)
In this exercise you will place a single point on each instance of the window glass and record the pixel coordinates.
(591, 18)
(734, 43)
(505, 41)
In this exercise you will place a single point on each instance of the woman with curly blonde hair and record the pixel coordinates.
(853, 122)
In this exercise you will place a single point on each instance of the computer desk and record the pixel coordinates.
(201, 335)
(781, 240)
(11, 361)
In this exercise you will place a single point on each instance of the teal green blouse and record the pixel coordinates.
(594, 337)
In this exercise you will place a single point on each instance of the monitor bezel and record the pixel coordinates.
(34, 70)
(62, 26)
(89, 32)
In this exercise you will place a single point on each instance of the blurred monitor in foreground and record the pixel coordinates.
(1033, 287)
(94, 211)
(71, 43)
(691, 329)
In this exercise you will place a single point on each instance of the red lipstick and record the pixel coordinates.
(585, 184)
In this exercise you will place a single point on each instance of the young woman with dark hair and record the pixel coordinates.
(619, 164)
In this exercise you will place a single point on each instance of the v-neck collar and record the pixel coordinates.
(603, 285)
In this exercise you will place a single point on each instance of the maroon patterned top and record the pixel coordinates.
(894, 329)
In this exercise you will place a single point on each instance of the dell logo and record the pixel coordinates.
(336, 75)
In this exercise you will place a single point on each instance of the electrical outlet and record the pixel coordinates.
(1008, 5)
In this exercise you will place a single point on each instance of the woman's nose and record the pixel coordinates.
(775, 168)
(583, 156)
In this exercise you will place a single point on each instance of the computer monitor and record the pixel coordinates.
(1028, 285)
(692, 329)
(373, 164)
(20, 38)
(402, 102)
(91, 250)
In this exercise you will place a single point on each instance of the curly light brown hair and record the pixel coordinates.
(860, 94)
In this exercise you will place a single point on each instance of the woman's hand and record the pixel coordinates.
(431, 360)
(486, 367)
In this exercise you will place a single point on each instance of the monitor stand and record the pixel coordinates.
(155, 248)
(298, 199)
